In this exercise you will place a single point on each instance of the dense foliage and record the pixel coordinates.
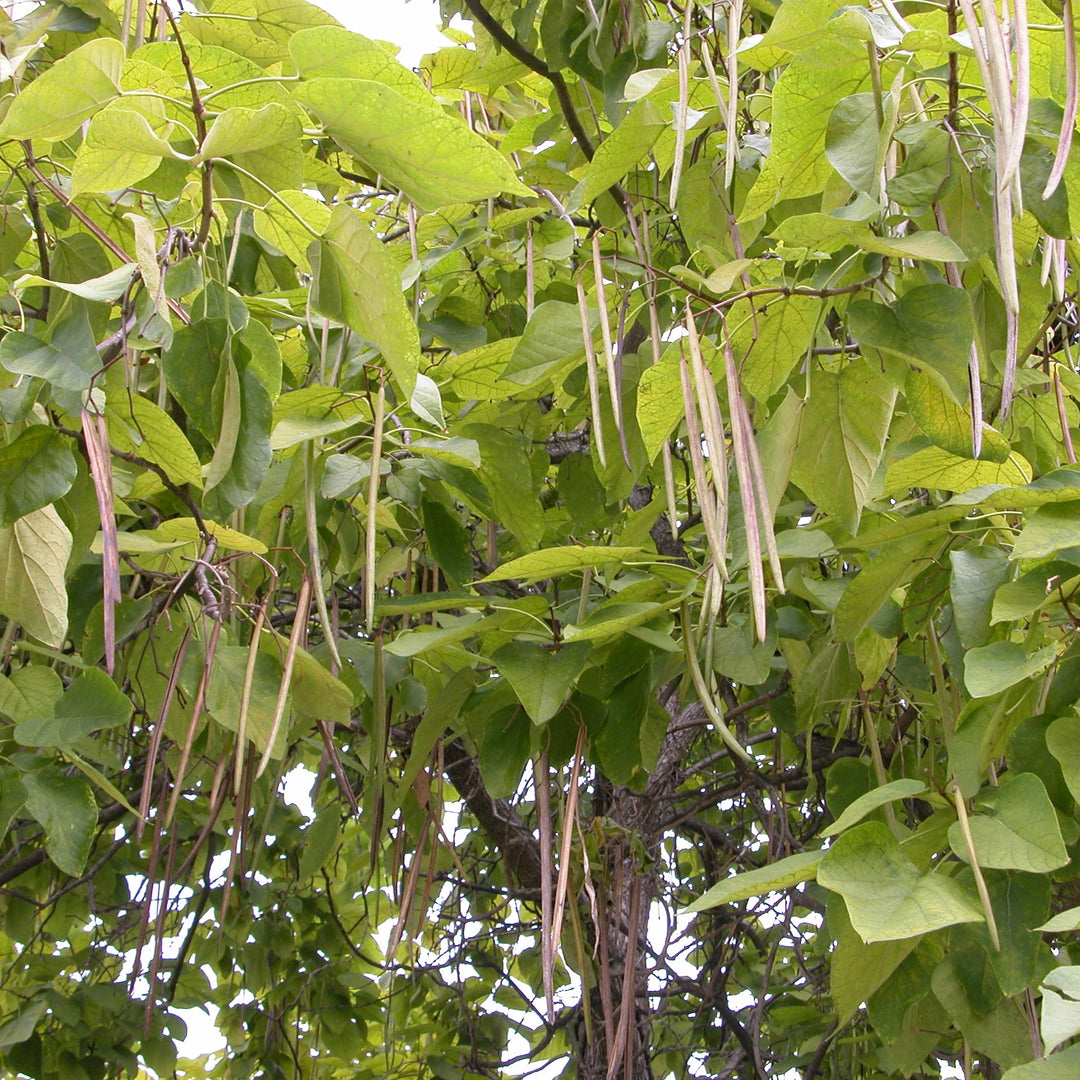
(627, 463)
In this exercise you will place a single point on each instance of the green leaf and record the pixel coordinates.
(660, 407)
(122, 147)
(53, 105)
(933, 467)
(431, 155)
(738, 655)
(1020, 830)
(774, 341)
(35, 470)
(137, 425)
(842, 437)
(886, 896)
(92, 703)
(1060, 1066)
(292, 226)
(34, 553)
(105, 288)
(332, 52)
(357, 282)
(22, 1026)
(554, 562)
(193, 365)
(24, 354)
(881, 575)
(930, 325)
(992, 668)
(553, 333)
(778, 875)
(868, 803)
(1060, 1018)
(448, 542)
(946, 423)
(925, 244)
(1061, 923)
(223, 695)
(623, 149)
(1049, 530)
(29, 692)
(803, 99)
(853, 141)
(64, 806)
(240, 131)
(1063, 741)
(508, 478)
(541, 678)
(977, 572)
(858, 968)
(925, 168)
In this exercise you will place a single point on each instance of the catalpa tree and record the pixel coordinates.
(625, 467)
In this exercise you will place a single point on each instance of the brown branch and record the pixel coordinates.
(198, 110)
(534, 63)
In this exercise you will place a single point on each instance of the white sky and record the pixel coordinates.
(412, 24)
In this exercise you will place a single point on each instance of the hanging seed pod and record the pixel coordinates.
(681, 109)
(592, 375)
(735, 14)
(1072, 93)
(605, 334)
(715, 538)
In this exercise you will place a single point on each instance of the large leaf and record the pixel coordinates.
(34, 553)
(432, 155)
(35, 470)
(992, 668)
(887, 897)
(53, 105)
(1061, 1066)
(1060, 1018)
(553, 562)
(930, 325)
(240, 130)
(1049, 530)
(66, 810)
(802, 102)
(541, 678)
(1020, 830)
(781, 874)
(356, 282)
(92, 703)
(868, 803)
(841, 439)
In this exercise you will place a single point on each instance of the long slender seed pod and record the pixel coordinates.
(757, 472)
(245, 699)
(712, 422)
(373, 507)
(714, 84)
(669, 488)
(592, 375)
(300, 618)
(605, 333)
(747, 497)
(716, 540)
(681, 109)
(1021, 99)
(1072, 94)
(315, 556)
(542, 784)
(735, 14)
(1063, 417)
(570, 821)
(980, 881)
(708, 703)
